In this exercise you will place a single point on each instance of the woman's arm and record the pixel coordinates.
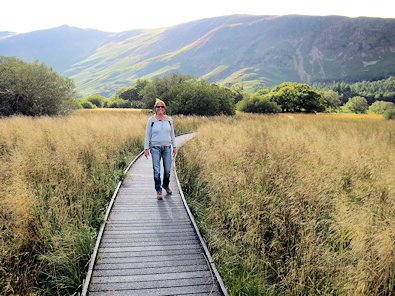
(148, 133)
(173, 138)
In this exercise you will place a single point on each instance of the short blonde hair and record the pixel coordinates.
(159, 101)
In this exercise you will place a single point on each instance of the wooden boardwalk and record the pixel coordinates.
(151, 247)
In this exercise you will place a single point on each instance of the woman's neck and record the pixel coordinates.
(160, 117)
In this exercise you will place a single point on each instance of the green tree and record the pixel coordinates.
(163, 88)
(258, 104)
(284, 96)
(134, 93)
(237, 93)
(295, 97)
(262, 90)
(357, 104)
(383, 90)
(380, 107)
(33, 89)
(199, 97)
(332, 100)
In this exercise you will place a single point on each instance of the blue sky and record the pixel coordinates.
(122, 15)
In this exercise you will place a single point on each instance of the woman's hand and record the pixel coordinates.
(174, 152)
(146, 153)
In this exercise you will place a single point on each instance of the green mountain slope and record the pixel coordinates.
(233, 49)
(59, 47)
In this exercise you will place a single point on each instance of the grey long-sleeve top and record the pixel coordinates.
(159, 133)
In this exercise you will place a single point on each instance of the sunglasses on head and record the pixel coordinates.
(160, 106)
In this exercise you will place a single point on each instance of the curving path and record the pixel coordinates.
(151, 247)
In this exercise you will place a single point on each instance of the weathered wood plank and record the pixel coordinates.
(148, 248)
(144, 235)
(147, 285)
(150, 277)
(153, 242)
(147, 259)
(161, 291)
(152, 264)
(124, 270)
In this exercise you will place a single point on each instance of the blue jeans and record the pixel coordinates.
(158, 152)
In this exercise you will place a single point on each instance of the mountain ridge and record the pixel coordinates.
(248, 49)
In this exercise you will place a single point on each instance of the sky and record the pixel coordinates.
(22, 16)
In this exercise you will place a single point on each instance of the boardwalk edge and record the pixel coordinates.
(202, 242)
(101, 230)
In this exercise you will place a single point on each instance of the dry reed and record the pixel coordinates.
(296, 205)
(57, 175)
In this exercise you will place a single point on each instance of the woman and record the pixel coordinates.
(159, 137)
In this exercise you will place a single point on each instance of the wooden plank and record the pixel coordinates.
(165, 252)
(150, 277)
(148, 248)
(149, 284)
(152, 264)
(127, 269)
(148, 259)
(145, 235)
(185, 290)
(153, 242)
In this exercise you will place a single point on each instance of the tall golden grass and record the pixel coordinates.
(57, 176)
(296, 205)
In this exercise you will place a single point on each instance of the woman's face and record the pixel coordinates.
(160, 109)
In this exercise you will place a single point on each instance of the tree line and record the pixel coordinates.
(379, 90)
(34, 89)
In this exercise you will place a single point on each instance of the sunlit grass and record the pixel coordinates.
(113, 110)
(336, 116)
(291, 204)
(57, 176)
(296, 204)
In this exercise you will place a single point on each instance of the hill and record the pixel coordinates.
(245, 49)
(59, 47)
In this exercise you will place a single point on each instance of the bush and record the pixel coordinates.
(137, 104)
(96, 100)
(119, 103)
(75, 104)
(379, 107)
(389, 114)
(87, 105)
(357, 104)
(33, 89)
(258, 104)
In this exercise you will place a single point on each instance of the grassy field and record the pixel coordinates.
(291, 204)
(296, 204)
(57, 176)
